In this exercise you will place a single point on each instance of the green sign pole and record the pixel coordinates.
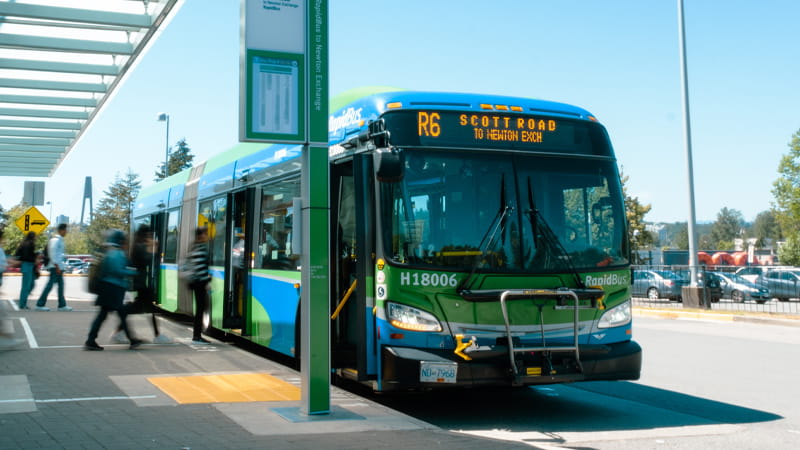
(315, 300)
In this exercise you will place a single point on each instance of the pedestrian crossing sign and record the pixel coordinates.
(32, 220)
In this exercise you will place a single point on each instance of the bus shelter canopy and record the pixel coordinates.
(58, 66)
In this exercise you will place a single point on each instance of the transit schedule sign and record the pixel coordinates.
(272, 94)
(32, 220)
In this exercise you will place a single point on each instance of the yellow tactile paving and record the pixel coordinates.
(246, 387)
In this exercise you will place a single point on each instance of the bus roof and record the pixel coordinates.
(354, 110)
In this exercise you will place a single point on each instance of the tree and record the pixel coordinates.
(789, 253)
(786, 189)
(765, 228)
(728, 226)
(682, 237)
(114, 210)
(76, 241)
(179, 159)
(638, 235)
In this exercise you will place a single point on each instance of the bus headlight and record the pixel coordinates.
(616, 316)
(413, 319)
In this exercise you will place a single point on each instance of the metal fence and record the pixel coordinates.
(763, 289)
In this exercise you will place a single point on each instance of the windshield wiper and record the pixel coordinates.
(542, 233)
(497, 225)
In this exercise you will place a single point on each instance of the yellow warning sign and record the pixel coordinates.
(32, 220)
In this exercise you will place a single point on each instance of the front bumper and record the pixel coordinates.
(620, 361)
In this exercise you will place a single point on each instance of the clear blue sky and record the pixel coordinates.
(617, 58)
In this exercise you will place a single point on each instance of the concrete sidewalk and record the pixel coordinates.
(54, 394)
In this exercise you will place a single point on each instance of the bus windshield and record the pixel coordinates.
(505, 212)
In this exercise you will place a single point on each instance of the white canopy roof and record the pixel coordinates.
(58, 66)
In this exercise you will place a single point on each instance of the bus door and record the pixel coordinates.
(238, 262)
(350, 255)
(156, 223)
(158, 226)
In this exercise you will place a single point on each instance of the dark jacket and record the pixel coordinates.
(26, 251)
(198, 260)
(141, 259)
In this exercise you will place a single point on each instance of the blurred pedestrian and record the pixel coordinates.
(55, 265)
(7, 340)
(199, 281)
(26, 257)
(113, 283)
(142, 254)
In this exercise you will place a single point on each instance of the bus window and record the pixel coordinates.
(217, 229)
(274, 247)
(171, 244)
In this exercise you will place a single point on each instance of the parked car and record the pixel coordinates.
(740, 289)
(783, 284)
(74, 265)
(656, 284)
(751, 273)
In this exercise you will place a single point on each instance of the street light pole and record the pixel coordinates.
(164, 117)
(688, 142)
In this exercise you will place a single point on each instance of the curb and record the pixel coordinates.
(695, 314)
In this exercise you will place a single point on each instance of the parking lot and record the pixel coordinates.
(760, 289)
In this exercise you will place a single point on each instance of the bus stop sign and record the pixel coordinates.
(32, 220)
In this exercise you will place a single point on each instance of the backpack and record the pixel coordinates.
(186, 271)
(95, 273)
(46, 254)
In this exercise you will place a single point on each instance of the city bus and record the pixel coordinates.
(475, 240)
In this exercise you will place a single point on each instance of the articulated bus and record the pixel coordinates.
(475, 240)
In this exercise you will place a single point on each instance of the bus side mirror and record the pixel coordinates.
(389, 164)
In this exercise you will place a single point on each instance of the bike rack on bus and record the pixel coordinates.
(547, 294)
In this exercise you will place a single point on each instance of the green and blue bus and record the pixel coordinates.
(475, 240)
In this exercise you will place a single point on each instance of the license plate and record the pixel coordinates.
(438, 372)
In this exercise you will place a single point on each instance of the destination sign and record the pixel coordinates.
(490, 127)
(443, 128)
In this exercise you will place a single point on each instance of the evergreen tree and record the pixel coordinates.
(765, 228)
(681, 239)
(179, 159)
(728, 226)
(114, 210)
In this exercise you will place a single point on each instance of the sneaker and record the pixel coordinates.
(92, 346)
(119, 338)
(162, 339)
(24, 308)
(42, 308)
(135, 343)
(65, 308)
(200, 341)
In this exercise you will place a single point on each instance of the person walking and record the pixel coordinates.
(7, 340)
(26, 258)
(112, 285)
(144, 248)
(56, 266)
(199, 281)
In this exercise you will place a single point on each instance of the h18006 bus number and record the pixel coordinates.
(428, 279)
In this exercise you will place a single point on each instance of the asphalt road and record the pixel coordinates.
(704, 385)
